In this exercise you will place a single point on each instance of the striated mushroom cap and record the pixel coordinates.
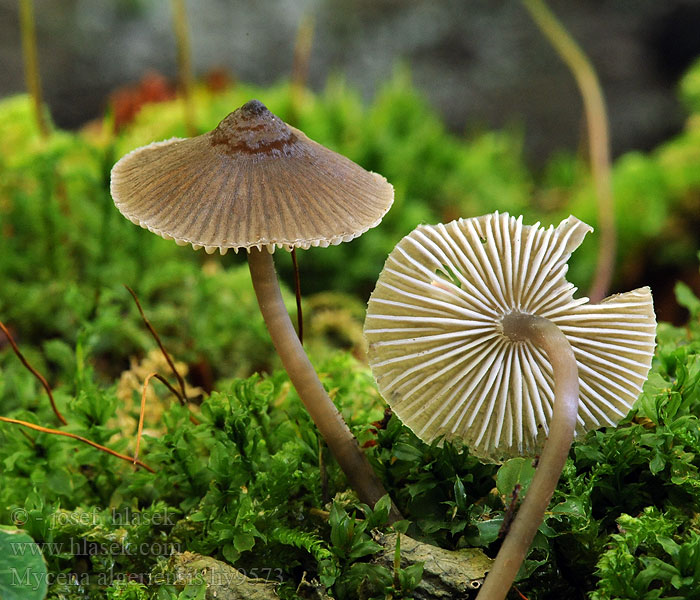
(441, 360)
(253, 181)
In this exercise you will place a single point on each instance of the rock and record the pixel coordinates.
(450, 574)
(223, 581)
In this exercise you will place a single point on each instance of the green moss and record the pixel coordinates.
(244, 485)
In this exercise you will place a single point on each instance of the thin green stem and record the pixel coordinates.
(31, 63)
(545, 334)
(598, 138)
(328, 419)
(184, 62)
(300, 66)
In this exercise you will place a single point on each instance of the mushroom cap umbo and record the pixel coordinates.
(253, 181)
(439, 353)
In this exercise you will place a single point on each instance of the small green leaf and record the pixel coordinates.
(243, 541)
(363, 548)
(571, 506)
(401, 526)
(23, 574)
(669, 545)
(379, 515)
(404, 451)
(410, 577)
(513, 472)
(230, 553)
(460, 495)
(488, 530)
(687, 299)
(657, 464)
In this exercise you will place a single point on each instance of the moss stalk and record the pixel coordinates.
(598, 138)
(31, 64)
(184, 63)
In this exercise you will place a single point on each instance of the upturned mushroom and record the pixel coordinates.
(474, 333)
(258, 184)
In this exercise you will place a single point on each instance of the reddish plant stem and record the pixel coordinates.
(142, 411)
(80, 439)
(34, 372)
(182, 396)
(297, 294)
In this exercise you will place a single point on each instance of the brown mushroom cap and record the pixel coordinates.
(253, 181)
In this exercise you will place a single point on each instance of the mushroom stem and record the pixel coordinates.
(330, 423)
(546, 335)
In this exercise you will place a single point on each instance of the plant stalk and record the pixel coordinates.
(598, 138)
(33, 371)
(545, 334)
(328, 419)
(184, 63)
(300, 67)
(297, 294)
(80, 438)
(31, 64)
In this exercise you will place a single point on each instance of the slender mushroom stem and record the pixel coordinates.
(330, 423)
(522, 327)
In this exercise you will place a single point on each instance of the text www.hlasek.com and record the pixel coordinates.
(29, 579)
(85, 547)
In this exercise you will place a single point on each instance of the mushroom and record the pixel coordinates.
(474, 333)
(256, 183)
